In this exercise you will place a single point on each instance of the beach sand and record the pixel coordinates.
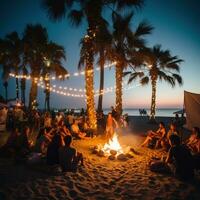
(99, 178)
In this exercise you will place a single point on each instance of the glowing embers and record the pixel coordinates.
(113, 150)
(113, 146)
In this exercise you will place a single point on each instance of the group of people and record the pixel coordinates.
(183, 156)
(49, 136)
(46, 137)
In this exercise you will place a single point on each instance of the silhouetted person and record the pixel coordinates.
(53, 150)
(181, 158)
(68, 157)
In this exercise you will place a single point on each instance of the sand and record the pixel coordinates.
(99, 178)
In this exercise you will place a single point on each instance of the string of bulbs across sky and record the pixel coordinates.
(65, 93)
(81, 73)
(65, 90)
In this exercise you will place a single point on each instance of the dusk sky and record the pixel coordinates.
(177, 28)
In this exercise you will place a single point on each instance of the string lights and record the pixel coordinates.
(64, 89)
(81, 95)
(41, 78)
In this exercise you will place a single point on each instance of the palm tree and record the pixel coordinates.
(23, 85)
(35, 39)
(14, 46)
(54, 55)
(4, 63)
(103, 51)
(91, 10)
(125, 43)
(157, 64)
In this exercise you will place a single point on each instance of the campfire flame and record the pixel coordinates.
(113, 144)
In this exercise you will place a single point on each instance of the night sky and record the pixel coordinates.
(177, 27)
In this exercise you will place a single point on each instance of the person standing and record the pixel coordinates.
(111, 124)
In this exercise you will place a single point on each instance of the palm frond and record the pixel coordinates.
(134, 76)
(178, 78)
(137, 4)
(56, 10)
(144, 80)
(76, 17)
(126, 73)
(144, 28)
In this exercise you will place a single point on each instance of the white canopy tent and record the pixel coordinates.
(192, 109)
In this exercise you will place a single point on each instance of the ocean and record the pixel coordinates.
(160, 112)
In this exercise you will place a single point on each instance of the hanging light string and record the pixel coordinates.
(75, 74)
(64, 89)
(80, 95)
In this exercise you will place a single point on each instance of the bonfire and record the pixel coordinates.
(112, 145)
(112, 149)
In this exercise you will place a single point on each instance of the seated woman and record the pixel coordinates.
(155, 138)
(63, 130)
(194, 141)
(76, 131)
(53, 150)
(179, 160)
(84, 127)
(68, 157)
(43, 141)
(172, 131)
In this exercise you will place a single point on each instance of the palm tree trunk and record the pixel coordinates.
(118, 79)
(47, 95)
(23, 89)
(101, 87)
(89, 80)
(89, 86)
(17, 88)
(32, 94)
(153, 101)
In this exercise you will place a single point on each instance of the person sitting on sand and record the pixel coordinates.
(172, 131)
(58, 118)
(63, 130)
(68, 157)
(155, 138)
(194, 141)
(111, 124)
(47, 120)
(43, 141)
(180, 156)
(53, 150)
(76, 131)
(84, 127)
(179, 160)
